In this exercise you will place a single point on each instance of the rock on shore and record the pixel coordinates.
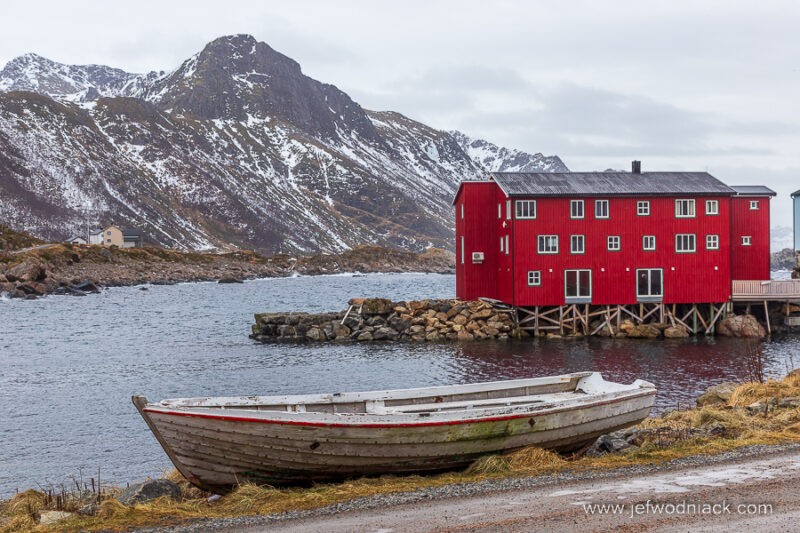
(378, 319)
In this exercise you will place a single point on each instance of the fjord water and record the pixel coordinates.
(68, 366)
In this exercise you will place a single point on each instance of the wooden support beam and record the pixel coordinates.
(710, 327)
(766, 315)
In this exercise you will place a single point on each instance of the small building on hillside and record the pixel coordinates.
(77, 239)
(116, 236)
(609, 238)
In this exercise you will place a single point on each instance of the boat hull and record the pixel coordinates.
(217, 450)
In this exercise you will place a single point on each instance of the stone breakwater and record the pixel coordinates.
(378, 319)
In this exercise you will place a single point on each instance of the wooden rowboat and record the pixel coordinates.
(217, 443)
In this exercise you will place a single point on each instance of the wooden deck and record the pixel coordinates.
(767, 291)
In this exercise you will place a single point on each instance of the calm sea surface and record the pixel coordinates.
(68, 366)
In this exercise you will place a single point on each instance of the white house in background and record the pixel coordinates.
(77, 240)
(96, 236)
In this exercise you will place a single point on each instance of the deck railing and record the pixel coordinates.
(766, 290)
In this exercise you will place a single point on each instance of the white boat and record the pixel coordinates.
(217, 443)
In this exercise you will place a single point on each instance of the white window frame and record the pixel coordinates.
(508, 209)
(691, 237)
(462, 211)
(649, 296)
(499, 211)
(643, 208)
(754, 205)
(646, 239)
(576, 209)
(520, 205)
(508, 246)
(747, 240)
(462, 249)
(534, 278)
(544, 242)
(582, 298)
(599, 209)
(614, 243)
(577, 239)
(690, 211)
(712, 242)
(502, 244)
(712, 207)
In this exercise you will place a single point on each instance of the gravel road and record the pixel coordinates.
(753, 489)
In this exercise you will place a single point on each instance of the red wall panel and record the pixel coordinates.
(750, 262)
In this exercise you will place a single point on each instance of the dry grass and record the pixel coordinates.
(707, 430)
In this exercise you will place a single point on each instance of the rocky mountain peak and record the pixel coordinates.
(236, 77)
(493, 158)
(32, 72)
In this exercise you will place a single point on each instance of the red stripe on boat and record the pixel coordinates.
(381, 425)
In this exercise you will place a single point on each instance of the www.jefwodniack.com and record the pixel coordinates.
(682, 508)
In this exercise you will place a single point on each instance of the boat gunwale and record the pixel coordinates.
(345, 420)
(358, 396)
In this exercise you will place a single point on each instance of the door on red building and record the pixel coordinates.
(650, 284)
(578, 286)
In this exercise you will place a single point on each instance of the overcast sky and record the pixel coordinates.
(681, 85)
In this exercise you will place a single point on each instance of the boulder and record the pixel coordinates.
(86, 286)
(464, 336)
(377, 306)
(626, 325)
(482, 314)
(315, 334)
(229, 279)
(364, 336)
(150, 490)
(384, 333)
(49, 518)
(741, 326)
(26, 271)
(791, 401)
(612, 443)
(717, 394)
(341, 331)
(644, 331)
(676, 332)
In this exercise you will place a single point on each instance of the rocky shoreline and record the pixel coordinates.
(379, 319)
(82, 269)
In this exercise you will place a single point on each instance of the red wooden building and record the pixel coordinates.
(608, 238)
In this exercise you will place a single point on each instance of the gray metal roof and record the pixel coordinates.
(795, 193)
(609, 183)
(753, 190)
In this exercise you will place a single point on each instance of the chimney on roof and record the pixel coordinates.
(636, 167)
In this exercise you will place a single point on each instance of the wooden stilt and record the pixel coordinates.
(766, 316)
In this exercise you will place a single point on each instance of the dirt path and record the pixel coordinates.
(752, 494)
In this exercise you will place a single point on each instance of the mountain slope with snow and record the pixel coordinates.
(235, 148)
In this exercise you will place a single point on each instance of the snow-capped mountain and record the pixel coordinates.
(236, 147)
(498, 159)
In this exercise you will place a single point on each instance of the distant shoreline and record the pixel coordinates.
(81, 269)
